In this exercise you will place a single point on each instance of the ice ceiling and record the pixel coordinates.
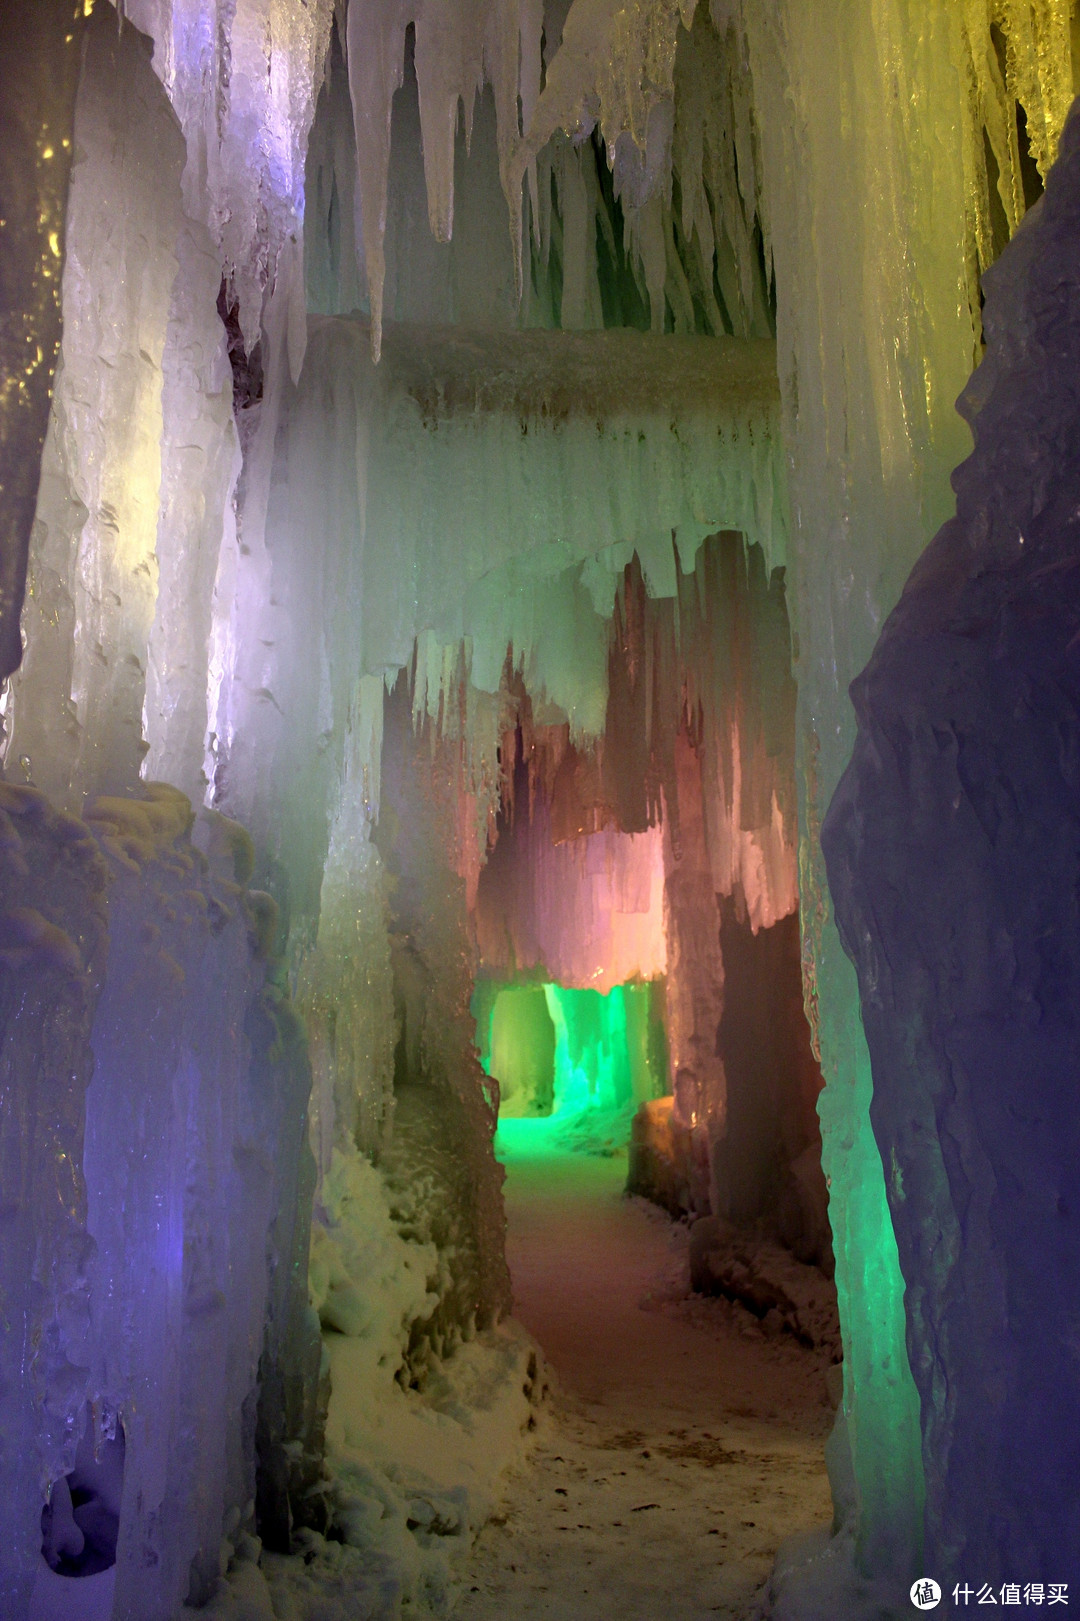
(421, 365)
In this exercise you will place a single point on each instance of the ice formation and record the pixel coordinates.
(41, 46)
(954, 827)
(415, 491)
(242, 77)
(880, 334)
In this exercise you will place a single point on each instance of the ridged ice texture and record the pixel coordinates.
(135, 507)
(243, 77)
(588, 911)
(345, 984)
(953, 845)
(488, 489)
(53, 942)
(863, 116)
(140, 1208)
(77, 702)
(41, 45)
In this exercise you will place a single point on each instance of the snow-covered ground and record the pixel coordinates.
(681, 1445)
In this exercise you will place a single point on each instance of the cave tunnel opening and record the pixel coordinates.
(635, 1004)
(640, 1032)
(639, 979)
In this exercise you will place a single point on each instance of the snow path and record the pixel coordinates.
(680, 1445)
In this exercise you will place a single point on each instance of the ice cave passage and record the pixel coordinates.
(539, 852)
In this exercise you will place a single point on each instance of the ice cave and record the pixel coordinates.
(539, 809)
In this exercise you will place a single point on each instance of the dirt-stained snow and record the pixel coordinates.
(680, 1445)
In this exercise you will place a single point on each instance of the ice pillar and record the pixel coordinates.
(40, 46)
(867, 216)
(78, 701)
(954, 855)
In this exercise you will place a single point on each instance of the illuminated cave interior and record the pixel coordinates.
(538, 840)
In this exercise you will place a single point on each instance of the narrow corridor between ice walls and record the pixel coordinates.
(458, 1151)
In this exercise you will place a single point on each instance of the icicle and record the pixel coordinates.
(376, 52)
(449, 70)
(243, 79)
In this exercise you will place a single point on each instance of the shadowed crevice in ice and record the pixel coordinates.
(81, 1521)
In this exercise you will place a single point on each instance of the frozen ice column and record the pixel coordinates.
(40, 44)
(953, 848)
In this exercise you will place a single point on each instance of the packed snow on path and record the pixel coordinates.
(681, 1444)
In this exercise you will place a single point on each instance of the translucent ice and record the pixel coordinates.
(242, 76)
(41, 46)
(952, 847)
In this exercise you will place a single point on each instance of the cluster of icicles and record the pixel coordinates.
(244, 78)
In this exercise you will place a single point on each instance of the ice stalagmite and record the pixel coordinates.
(953, 847)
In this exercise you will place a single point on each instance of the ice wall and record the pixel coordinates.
(589, 912)
(436, 496)
(173, 1300)
(952, 845)
(55, 938)
(445, 1184)
(194, 1140)
(41, 46)
(243, 76)
(879, 200)
(144, 1224)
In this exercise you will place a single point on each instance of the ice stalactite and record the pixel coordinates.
(457, 49)
(41, 42)
(953, 847)
(433, 494)
(243, 77)
(607, 240)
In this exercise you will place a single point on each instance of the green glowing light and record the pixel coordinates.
(558, 1052)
